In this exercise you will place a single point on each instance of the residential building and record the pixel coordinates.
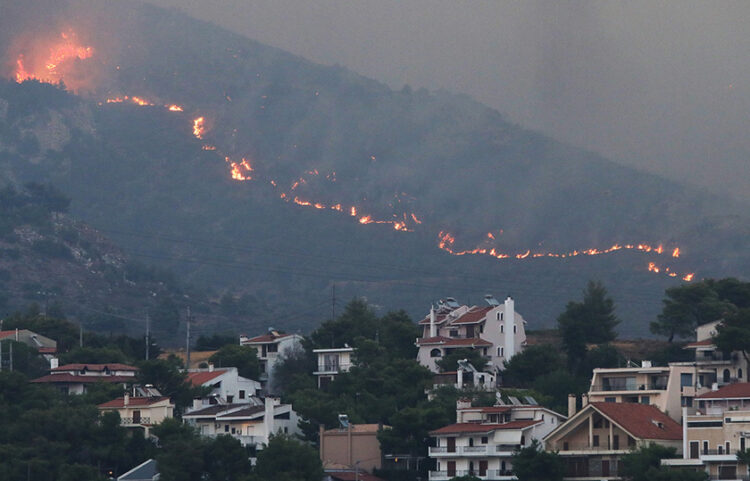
(482, 440)
(332, 362)
(593, 440)
(349, 475)
(713, 365)
(140, 412)
(466, 377)
(668, 388)
(74, 378)
(146, 471)
(714, 430)
(351, 447)
(269, 347)
(46, 346)
(227, 386)
(497, 331)
(252, 422)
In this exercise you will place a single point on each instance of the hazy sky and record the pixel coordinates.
(662, 86)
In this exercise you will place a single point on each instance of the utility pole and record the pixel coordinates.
(187, 347)
(333, 301)
(80, 335)
(11, 357)
(148, 334)
(1, 356)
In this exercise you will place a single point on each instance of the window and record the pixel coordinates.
(499, 351)
(471, 441)
(514, 329)
(631, 442)
(645, 400)
(242, 394)
(273, 348)
(523, 440)
(234, 430)
(484, 439)
(739, 374)
(728, 446)
(726, 375)
(610, 399)
(565, 446)
(686, 379)
(705, 447)
(436, 353)
(501, 328)
(596, 440)
(454, 333)
(742, 444)
(719, 449)
(502, 352)
(230, 398)
(481, 330)
(226, 428)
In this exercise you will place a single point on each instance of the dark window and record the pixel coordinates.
(514, 329)
(273, 348)
(226, 428)
(615, 442)
(739, 374)
(596, 440)
(645, 400)
(242, 394)
(565, 446)
(230, 399)
(136, 417)
(484, 439)
(726, 376)
(686, 379)
(610, 399)
(705, 445)
(742, 444)
(436, 353)
(282, 415)
(631, 442)
(454, 333)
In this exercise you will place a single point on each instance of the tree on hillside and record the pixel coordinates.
(244, 358)
(734, 333)
(285, 459)
(644, 464)
(527, 365)
(357, 320)
(591, 321)
(690, 305)
(533, 463)
(166, 376)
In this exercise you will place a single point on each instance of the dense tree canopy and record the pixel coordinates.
(533, 463)
(244, 358)
(644, 464)
(286, 459)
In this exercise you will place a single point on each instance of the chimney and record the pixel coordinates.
(460, 378)
(126, 400)
(210, 367)
(268, 415)
(433, 331)
(54, 363)
(16, 334)
(584, 400)
(572, 399)
(715, 386)
(509, 316)
(197, 403)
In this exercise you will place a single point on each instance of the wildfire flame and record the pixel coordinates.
(53, 67)
(199, 128)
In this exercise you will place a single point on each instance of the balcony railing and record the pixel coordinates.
(136, 422)
(629, 387)
(506, 447)
(334, 367)
(488, 474)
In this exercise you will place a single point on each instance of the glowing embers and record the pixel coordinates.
(446, 243)
(240, 170)
(199, 127)
(55, 63)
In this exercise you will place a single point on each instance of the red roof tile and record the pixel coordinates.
(453, 342)
(730, 391)
(265, 338)
(47, 350)
(475, 314)
(95, 367)
(202, 377)
(133, 401)
(439, 319)
(75, 378)
(4, 334)
(459, 428)
(703, 343)
(640, 420)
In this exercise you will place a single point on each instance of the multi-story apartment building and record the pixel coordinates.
(227, 386)
(482, 440)
(667, 387)
(593, 440)
(269, 347)
(714, 430)
(252, 422)
(713, 365)
(497, 331)
(332, 362)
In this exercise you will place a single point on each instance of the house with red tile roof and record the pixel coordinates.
(714, 430)
(75, 378)
(140, 412)
(269, 347)
(496, 330)
(482, 440)
(226, 385)
(592, 441)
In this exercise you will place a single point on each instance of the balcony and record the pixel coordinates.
(442, 451)
(490, 474)
(135, 422)
(333, 368)
(659, 386)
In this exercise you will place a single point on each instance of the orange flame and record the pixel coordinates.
(676, 252)
(60, 59)
(688, 277)
(175, 108)
(199, 128)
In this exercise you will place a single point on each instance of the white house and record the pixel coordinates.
(332, 362)
(227, 386)
(251, 422)
(497, 331)
(269, 347)
(482, 440)
(74, 378)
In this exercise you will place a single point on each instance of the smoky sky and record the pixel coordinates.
(658, 85)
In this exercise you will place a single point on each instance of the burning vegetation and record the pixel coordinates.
(54, 61)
